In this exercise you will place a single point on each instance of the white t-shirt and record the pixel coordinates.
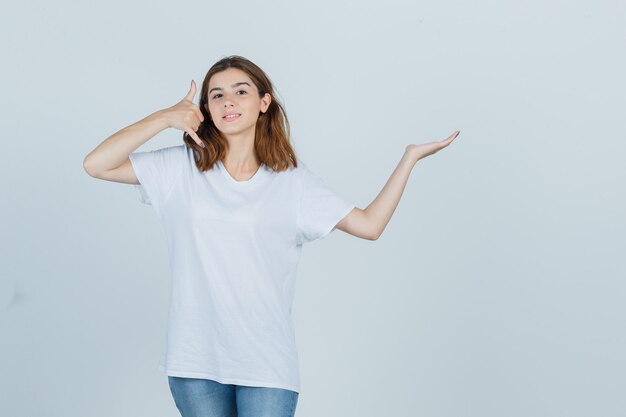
(233, 250)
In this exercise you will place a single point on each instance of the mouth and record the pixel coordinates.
(231, 117)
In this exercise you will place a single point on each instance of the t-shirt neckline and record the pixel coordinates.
(259, 172)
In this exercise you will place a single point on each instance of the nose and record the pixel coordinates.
(228, 101)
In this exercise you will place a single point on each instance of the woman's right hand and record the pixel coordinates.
(186, 115)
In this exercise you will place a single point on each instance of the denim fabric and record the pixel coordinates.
(196, 397)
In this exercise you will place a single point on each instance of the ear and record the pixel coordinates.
(265, 102)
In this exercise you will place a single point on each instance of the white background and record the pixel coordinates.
(497, 288)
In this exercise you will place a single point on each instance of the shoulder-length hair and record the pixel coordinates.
(271, 140)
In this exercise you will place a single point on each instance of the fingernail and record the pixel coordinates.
(203, 145)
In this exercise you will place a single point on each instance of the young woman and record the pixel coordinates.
(236, 205)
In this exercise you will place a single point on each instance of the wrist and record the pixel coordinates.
(410, 155)
(160, 117)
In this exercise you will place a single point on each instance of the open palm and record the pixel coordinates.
(422, 150)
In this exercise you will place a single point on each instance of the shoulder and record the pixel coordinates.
(166, 158)
(165, 152)
(301, 174)
(305, 174)
(302, 169)
(176, 154)
(178, 150)
(291, 173)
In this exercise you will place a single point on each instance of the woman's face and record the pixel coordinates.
(232, 91)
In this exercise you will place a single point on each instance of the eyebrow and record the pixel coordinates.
(233, 86)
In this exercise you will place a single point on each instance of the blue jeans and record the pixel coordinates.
(207, 398)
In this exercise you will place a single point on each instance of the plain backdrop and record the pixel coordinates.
(497, 288)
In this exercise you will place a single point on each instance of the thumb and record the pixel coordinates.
(192, 91)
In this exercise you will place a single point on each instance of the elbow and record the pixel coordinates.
(88, 168)
(371, 229)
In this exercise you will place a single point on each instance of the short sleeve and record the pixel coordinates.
(320, 208)
(157, 172)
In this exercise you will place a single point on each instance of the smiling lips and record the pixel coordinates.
(231, 117)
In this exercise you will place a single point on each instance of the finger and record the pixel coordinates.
(451, 137)
(192, 92)
(195, 137)
(198, 113)
(195, 121)
(192, 124)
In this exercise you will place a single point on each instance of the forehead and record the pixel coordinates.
(229, 77)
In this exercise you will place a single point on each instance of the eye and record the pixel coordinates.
(239, 91)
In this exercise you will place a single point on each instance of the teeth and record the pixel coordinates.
(231, 116)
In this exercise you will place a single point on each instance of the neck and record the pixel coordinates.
(241, 156)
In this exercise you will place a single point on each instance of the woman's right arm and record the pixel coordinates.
(109, 160)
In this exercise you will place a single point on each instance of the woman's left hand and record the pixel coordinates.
(418, 152)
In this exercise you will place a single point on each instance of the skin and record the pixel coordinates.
(369, 223)
(109, 160)
(241, 161)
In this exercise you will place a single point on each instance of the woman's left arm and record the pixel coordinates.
(369, 223)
